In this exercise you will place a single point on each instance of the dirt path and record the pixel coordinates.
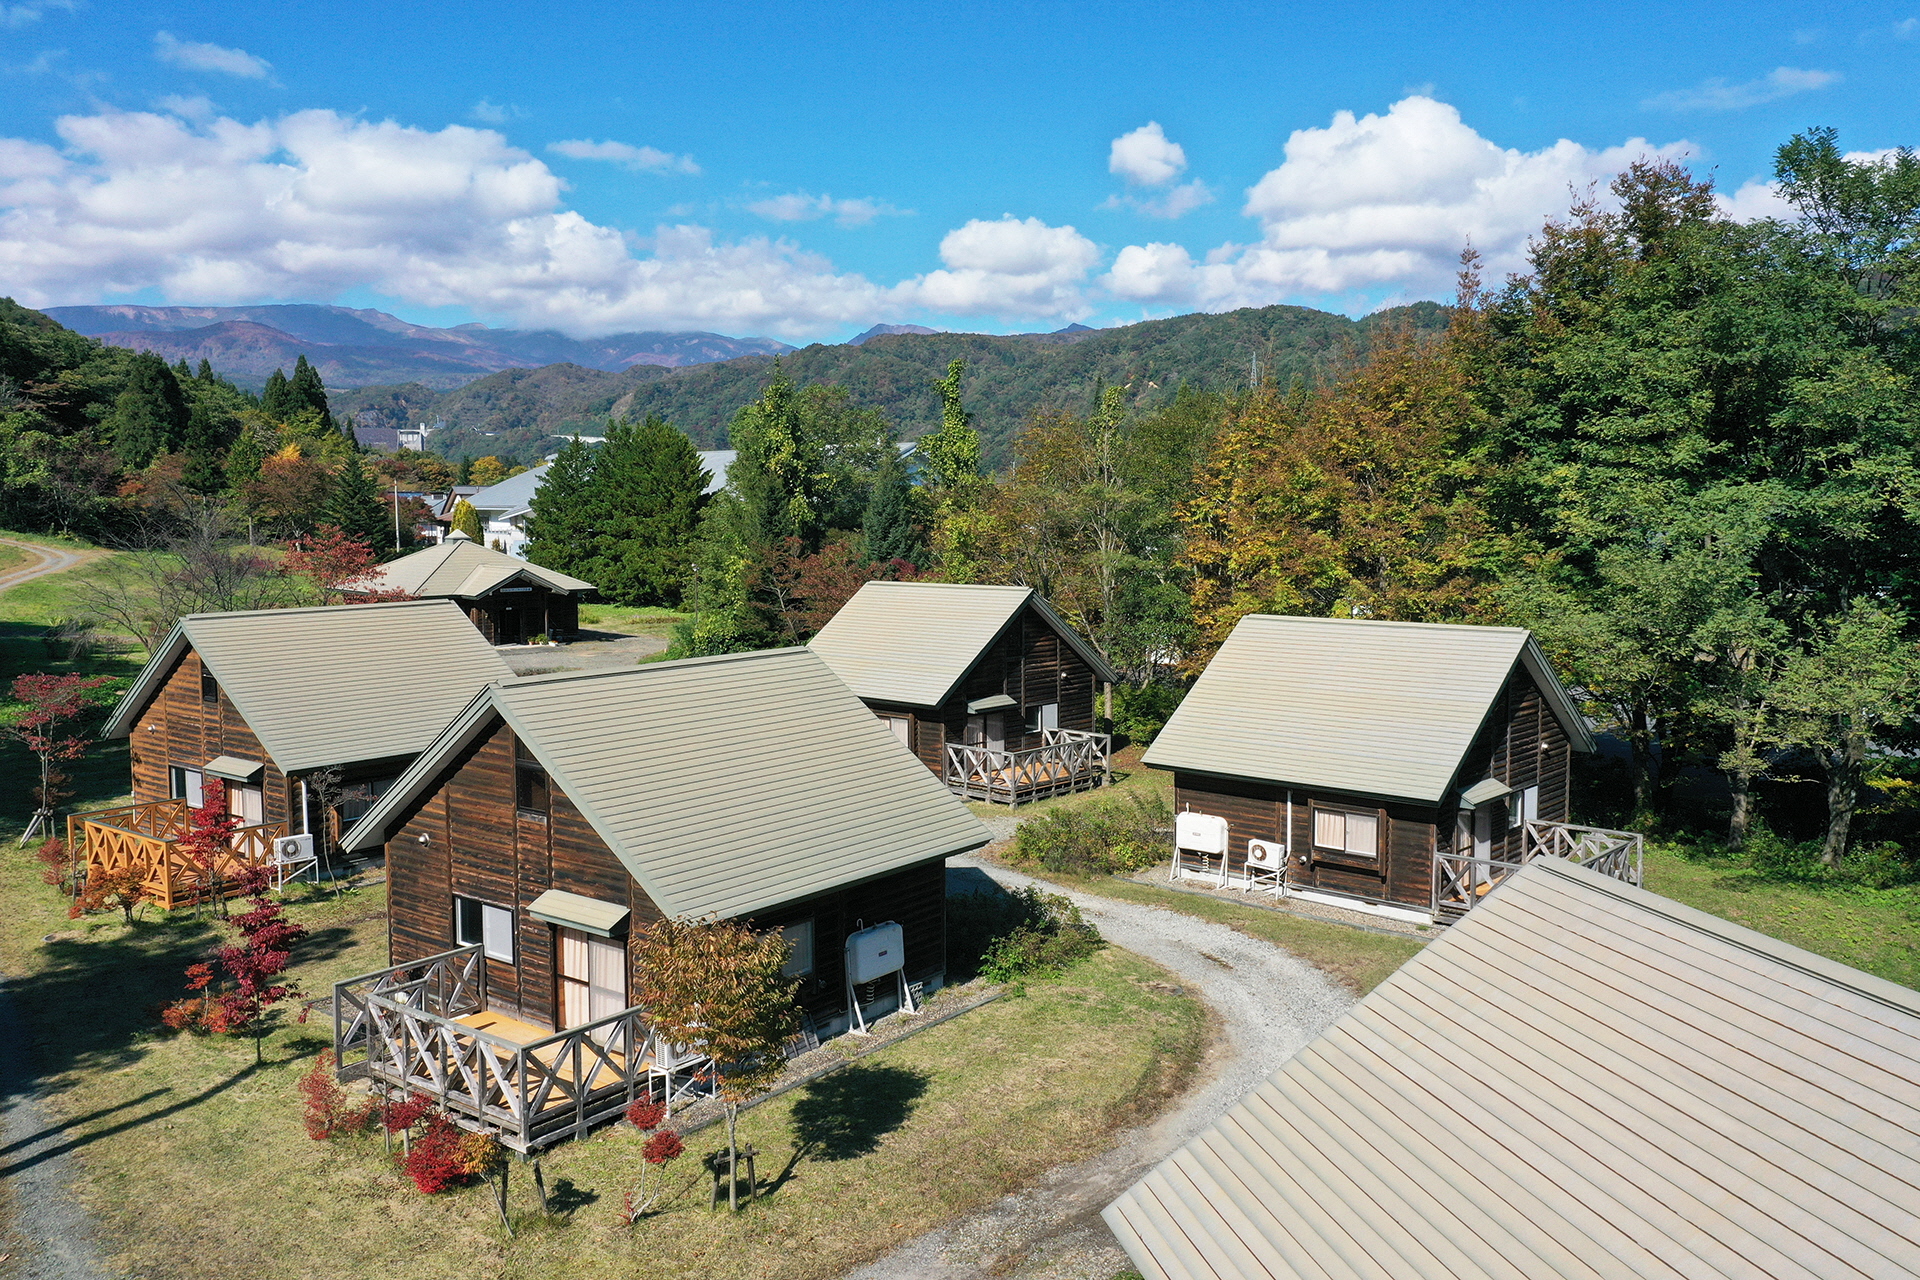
(1270, 1005)
(48, 1234)
(44, 560)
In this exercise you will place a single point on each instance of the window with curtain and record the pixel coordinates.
(482, 922)
(1357, 835)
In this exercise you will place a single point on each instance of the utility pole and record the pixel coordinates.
(396, 514)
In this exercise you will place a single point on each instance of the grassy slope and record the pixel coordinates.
(629, 620)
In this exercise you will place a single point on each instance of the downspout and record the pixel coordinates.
(1287, 844)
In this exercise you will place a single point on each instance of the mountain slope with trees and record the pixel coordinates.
(525, 413)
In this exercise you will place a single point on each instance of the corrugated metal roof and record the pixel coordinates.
(334, 685)
(1378, 708)
(511, 494)
(913, 642)
(462, 567)
(725, 785)
(1580, 1079)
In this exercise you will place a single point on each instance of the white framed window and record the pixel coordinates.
(188, 784)
(1043, 717)
(1357, 835)
(799, 939)
(902, 728)
(1523, 806)
(482, 922)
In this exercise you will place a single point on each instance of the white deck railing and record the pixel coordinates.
(1460, 880)
(1066, 760)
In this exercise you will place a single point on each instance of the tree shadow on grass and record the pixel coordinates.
(843, 1116)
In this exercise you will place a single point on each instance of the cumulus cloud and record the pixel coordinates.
(488, 112)
(1146, 157)
(314, 204)
(1377, 201)
(1718, 95)
(801, 207)
(196, 56)
(640, 159)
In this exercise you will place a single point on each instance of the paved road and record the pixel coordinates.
(43, 560)
(1270, 1004)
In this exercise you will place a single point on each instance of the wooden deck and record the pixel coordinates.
(147, 836)
(1067, 760)
(426, 1028)
(1460, 881)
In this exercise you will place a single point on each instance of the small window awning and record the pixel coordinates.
(998, 702)
(573, 911)
(233, 769)
(1483, 791)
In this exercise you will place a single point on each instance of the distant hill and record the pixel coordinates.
(525, 413)
(884, 330)
(357, 348)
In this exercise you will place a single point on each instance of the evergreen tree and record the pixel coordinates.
(181, 372)
(206, 373)
(465, 474)
(466, 520)
(559, 528)
(275, 401)
(204, 447)
(643, 509)
(895, 526)
(353, 503)
(150, 414)
(305, 391)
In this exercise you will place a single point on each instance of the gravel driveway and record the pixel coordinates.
(1270, 1004)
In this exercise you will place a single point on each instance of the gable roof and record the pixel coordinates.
(913, 642)
(511, 494)
(462, 567)
(686, 771)
(1377, 708)
(330, 685)
(1580, 1079)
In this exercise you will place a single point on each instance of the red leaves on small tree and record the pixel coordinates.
(54, 705)
(326, 1111)
(208, 841)
(122, 887)
(253, 966)
(662, 1148)
(337, 564)
(438, 1158)
(646, 1115)
(57, 864)
(402, 1116)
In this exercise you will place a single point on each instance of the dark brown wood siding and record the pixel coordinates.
(915, 898)
(177, 728)
(1030, 663)
(515, 617)
(1522, 744)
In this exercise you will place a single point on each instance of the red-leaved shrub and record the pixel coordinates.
(402, 1116)
(663, 1147)
(327, 1112)
(646, 1115)
(438, 1158)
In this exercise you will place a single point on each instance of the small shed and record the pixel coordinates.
(307, 715)
(557, 814)
(510, 600)
(1398, 767)
(989, 686)
(1580, 1080)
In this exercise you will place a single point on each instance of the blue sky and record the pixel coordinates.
(804, 171)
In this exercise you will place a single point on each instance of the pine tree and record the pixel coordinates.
(275, 402)
(644, 510)
(305, 391)
(181, 372)
(465, 474)
(206, 373)
(354, 505)
(559, 526)
(204, 447)
(895, 526)
(150, 415)
(466, 520)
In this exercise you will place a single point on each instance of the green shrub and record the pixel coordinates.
(1052, 937)
(1104, 838)
(1141, 711)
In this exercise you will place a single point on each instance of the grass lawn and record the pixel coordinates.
(1873, 929)
(197, 1165)
(1130, 777)
(630, 620)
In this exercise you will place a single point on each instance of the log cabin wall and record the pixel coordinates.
(1522, 744)
(481, 846)
(177, 728)
(1030, 663)
(1403, 874)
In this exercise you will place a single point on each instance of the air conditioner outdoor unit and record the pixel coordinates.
(1268, 855)
(293, 848)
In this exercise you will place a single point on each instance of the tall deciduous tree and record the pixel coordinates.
(721, 985)
(954, 483)
(54, 706)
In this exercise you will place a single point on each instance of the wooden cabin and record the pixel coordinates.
(1397, 767)
(558, 814)
(987, 685)
(307, 716)
(508, 599)
(1580, 1080)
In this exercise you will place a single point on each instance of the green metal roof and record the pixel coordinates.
(1376, 708)
(334, 685)
(1580, 1080)
(912, 643)
(461, 567)
(725, 785)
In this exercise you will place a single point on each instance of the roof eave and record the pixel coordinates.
(372, 827)
(145, 686)
(1295, 784)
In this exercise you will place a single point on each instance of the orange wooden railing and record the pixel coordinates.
(147, 836)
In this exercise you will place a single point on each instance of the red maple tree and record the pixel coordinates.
(54, 703)
(208, 842)
(338, 565)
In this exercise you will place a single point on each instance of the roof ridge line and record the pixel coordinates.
(311, 608)
(704, 659)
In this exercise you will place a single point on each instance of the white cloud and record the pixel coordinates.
(640, 159)
(1017, 266)
(1718, 95)
(1172, 203)
(1376, 202)
(1906, 28)
(1753, 200)
(487, 112)
(195, 56)
(799, 206)
(314, 204)
(21, 15)
(1145, 157)
(187, 107)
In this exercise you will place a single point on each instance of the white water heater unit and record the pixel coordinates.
(874, 953)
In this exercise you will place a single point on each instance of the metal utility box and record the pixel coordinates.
(875, 952)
